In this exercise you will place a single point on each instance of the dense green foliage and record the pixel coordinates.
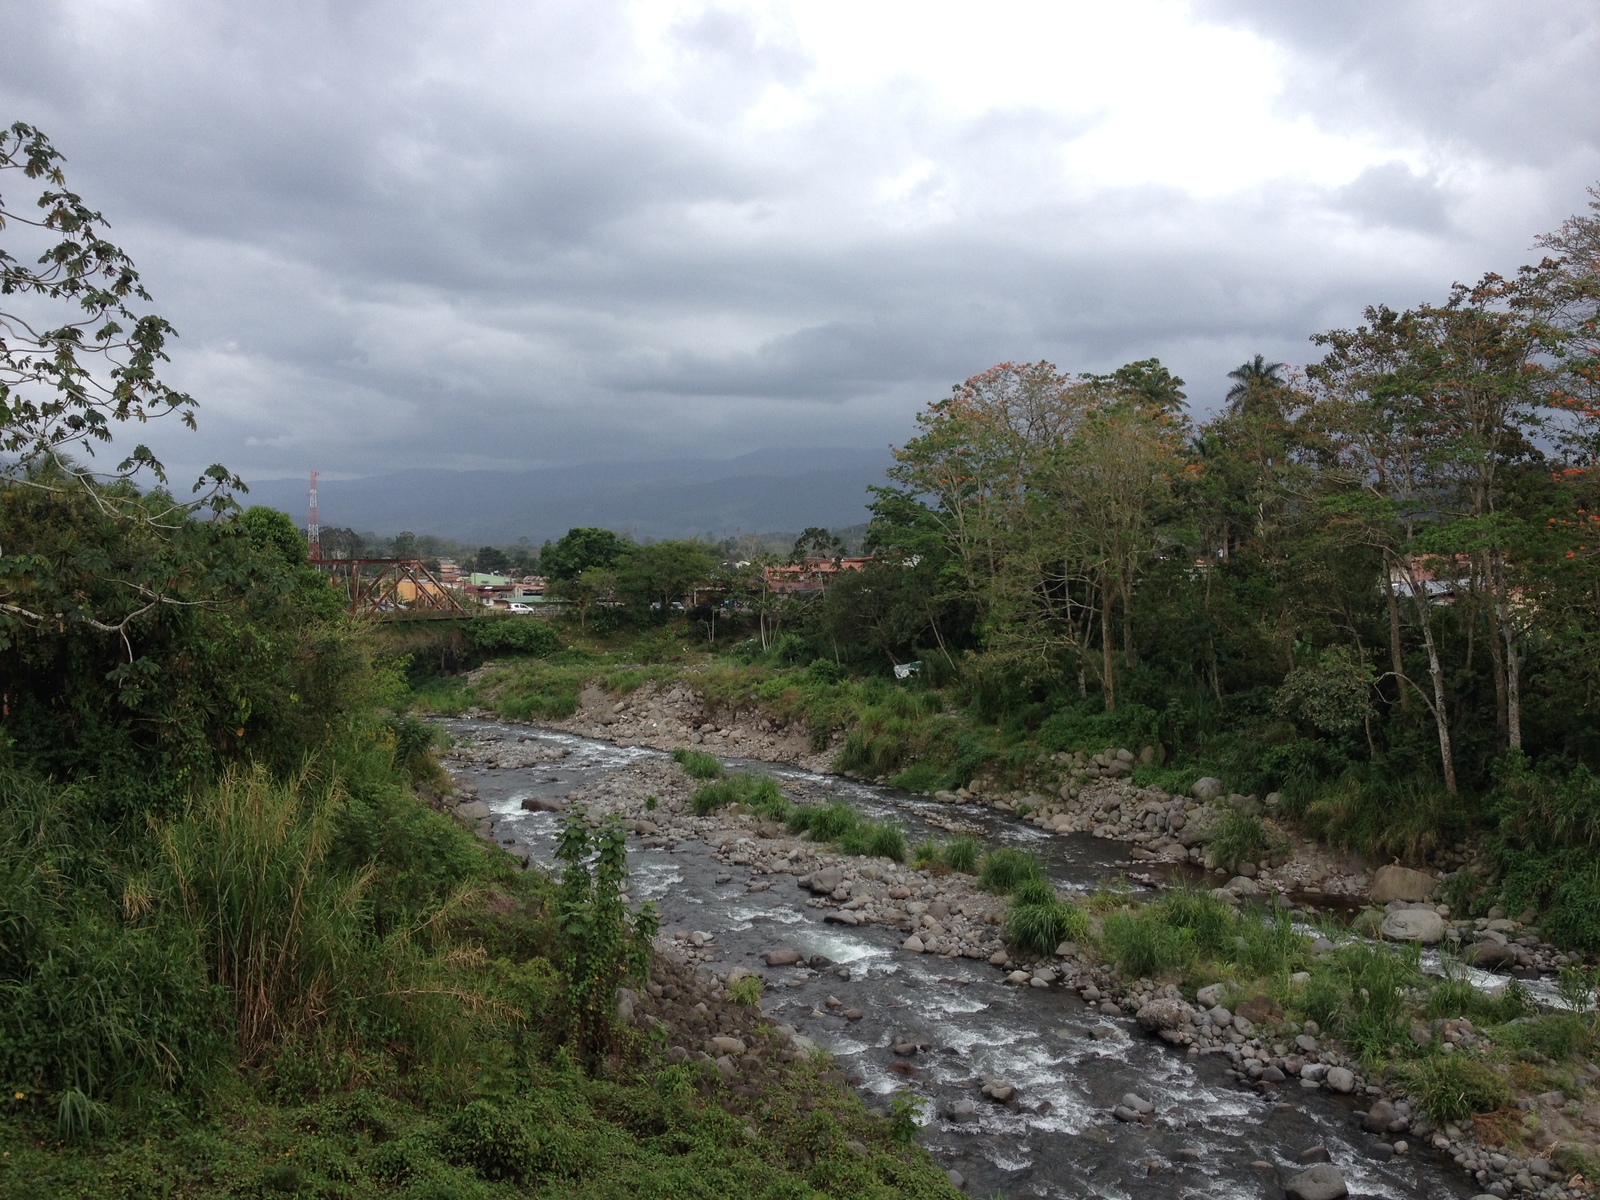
(1369, 586)
(242, 951)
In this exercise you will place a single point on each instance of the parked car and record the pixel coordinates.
(518, 608)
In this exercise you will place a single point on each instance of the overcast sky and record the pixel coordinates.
(496, 235)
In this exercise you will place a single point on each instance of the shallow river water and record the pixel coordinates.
(1211, 1138)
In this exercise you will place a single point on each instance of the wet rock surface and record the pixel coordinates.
(1029, 1083)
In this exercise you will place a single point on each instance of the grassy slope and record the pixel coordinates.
(415, 1043)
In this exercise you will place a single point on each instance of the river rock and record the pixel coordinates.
(1413, 925)
(1137, 1103)
(826, 881)
(728, 1045)
(1341, 1079)
(1164, 1014)
(1379, 1117)
(472, 810)
(1489, 955)
(1209, 996)
(1401, 883)
(1321, 1182)
(913, 944)
(842, 916)
(782, 957)
(1207, 789)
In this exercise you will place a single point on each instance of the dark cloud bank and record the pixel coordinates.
(402, 238)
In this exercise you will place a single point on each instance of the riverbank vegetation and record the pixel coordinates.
(242, 951)
(1368, 586)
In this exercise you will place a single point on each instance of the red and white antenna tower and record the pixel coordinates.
(313, 527)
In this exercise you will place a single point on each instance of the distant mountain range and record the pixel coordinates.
(760, 492)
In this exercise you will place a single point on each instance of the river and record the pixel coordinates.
(1211, 1139)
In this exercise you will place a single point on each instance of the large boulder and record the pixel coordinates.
(1207, 789)
(1413, 925)
(1401, 883)
(1164, 1014)
(826, 880)
(1321, 1182)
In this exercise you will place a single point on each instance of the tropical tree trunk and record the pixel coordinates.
(1497, 657)
(1397, 661)
(1436, 677)
(1513, 663)
(1105, 648)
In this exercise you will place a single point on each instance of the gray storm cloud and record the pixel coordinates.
(397, 235)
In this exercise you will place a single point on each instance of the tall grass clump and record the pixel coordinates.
(1001, 870)
(849, 830)
(927, 853)
(278, 929)
(759, 794)
(1451, 1087)
(1170, 935)
(1240, 838)
(1367, 810)
(1143, 946)
(697, 763)
(102, 987)
(959, 854)
(1038, 920)
(1369, 983)
(962, 854)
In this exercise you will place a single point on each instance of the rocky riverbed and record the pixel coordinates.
(1047, 1078)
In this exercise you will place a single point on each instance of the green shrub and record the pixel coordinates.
(746, 990)
(1557, 1036)
(759, 794)
(962, 854)
(152, 1017)
(1211, 923)
(832, 822)
(1037, 920)
(1001, 870)
(494, 1142)
(1454, 996)
(1240, 838)
(1172, 934)
(924, 776)
(1451, 1087)
(1143, 946)
(844, 826)
(513, 635)
(1088, 727)
(1369, 811)
(540, 690)
(1033, 891)
(825, 670)
(927, 853)
(697, 764)
(279, 928)
(887, 841)
(1374, 980)
(715, 795)
(1323, 999)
